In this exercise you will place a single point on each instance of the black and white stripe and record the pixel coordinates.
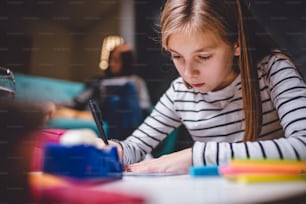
(215, 120)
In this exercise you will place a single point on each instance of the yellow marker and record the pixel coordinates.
(251, 178)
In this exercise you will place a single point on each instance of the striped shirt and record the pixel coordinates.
(215, 120)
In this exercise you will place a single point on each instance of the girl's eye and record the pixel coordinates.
(204, 57)
(175, 57)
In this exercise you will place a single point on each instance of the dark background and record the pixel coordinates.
(284, 19)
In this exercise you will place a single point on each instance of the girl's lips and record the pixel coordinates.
(198, 85)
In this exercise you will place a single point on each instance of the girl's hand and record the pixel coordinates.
(100, 145)
(89, 137)
(178, 162)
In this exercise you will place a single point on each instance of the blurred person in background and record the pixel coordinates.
(122, 95)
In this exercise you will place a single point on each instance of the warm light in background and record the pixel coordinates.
(109, 43)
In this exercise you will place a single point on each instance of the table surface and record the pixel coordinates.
(182, 189)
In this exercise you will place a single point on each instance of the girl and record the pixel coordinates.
(238, 95)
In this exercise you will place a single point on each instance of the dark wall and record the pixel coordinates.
(13, 41)
(59, 39)
(286, 21)
(153, 64)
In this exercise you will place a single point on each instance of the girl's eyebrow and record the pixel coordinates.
(170, 50)
(198, 50)
(204, 49)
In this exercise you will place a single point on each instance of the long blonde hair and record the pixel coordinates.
(233, 22)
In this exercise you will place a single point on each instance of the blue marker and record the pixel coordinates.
(197, 171)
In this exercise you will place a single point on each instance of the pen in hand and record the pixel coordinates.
(97, 115)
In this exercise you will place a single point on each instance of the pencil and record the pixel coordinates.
(97, 115)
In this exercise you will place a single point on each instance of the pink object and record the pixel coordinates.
(84, 195)
(41, 137)
(48, 188)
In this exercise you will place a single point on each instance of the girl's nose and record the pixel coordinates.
(190, 70)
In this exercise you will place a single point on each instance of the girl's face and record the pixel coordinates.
(203, 60)
(115, 62)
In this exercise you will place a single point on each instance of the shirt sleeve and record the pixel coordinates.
(156, 127)
(288, 94)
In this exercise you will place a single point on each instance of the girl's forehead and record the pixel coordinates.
(203, 39)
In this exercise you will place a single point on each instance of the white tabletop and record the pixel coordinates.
(184, 189)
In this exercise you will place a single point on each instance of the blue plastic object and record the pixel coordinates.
(81, 161)
(196, 171)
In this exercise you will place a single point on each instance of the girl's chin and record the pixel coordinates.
(201, 90)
